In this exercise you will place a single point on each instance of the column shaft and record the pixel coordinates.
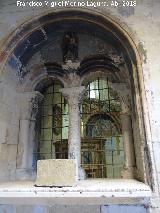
(23, 138)
(29, 110)
(128, 146)
(74, 96)
(74, 146)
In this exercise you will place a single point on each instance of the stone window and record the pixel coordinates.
(82, 62)
(86, 123)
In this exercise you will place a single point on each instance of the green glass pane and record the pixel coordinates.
(48, 99)
(49, 89)
(103, 84)
(104, 94)
(57, 87)
(57, 98)
(47, 110)
(47, 134)
(47, 122)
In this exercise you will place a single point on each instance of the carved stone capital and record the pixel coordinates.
(71, 66)
(74, 95)
(72, 80)
(29, 104)
(35, 103)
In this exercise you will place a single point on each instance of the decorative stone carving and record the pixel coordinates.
(72, 80)
(71, 66)
(70, 47)
(117, 59)
(74, 95)
(29, 104)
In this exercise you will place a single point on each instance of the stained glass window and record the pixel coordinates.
(52, 125)
(101, 134)
(102, 151)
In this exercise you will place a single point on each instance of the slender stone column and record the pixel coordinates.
(74, 95)
(129, 168)
(29, 109)
(127, 133)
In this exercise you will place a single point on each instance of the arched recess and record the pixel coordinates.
(51, 124)
(22, 78)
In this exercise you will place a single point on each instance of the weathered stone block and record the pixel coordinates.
(3, 132)
(123, 208)
(74, 209)
(32, 209)
(56, 172)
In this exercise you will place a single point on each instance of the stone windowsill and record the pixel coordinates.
(97, 191)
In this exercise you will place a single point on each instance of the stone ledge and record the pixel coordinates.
(97, 191)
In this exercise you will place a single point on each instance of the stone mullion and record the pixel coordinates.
(74, 96)
(74, 130)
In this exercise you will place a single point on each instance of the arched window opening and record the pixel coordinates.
(102, 146)
(120, 62)
(52, 124)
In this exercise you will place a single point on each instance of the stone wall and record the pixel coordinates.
(71, 209)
